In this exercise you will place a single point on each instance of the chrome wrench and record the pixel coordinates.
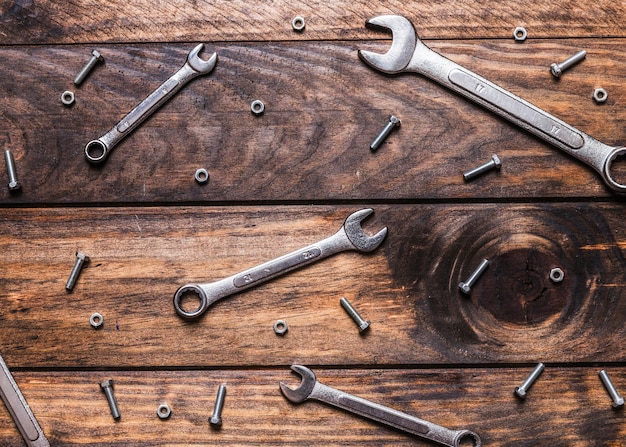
(409, 54)
(349, 237)
(19, 409)
(97, 150)
(310, 388)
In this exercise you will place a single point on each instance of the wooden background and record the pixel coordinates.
(287, 179)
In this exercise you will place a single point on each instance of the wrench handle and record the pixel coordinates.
(212, 292)
(540, 123)
(20, 411)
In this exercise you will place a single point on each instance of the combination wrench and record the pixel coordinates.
(96, 151)
(349, 237)
(20, 411)
(409, 54)
(310, 388)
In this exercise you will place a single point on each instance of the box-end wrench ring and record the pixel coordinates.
(349, 237)
(96, 151)
(310, 388)
(409, 54)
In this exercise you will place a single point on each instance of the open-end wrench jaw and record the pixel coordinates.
(402, 46)
(305, 389)
(198, 64)
(356, 235)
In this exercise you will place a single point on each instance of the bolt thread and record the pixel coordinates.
(532, 377)
(572, 60)
(479, 170)
(606, 381)
(393, 122)
(476, 273)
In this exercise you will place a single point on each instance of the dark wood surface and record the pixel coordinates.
(281, 181)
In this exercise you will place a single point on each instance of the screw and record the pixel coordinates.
(466, 286)
(107, 388)
(494, 163)
(81, 259)
(14, 185)
(95, 58)
(558, 69)
(618, 401)
(521, 390)
(393, 122)
(360, 322)
(216, 419)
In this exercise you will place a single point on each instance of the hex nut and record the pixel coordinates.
(600, 95)
(556, 275)
(520, 34)
(298, 23)
(201, 176)
(96, 320)
(67, 98)
(257, 107)
(280, 327)
(164, 411)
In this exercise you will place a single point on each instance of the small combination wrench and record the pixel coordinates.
(310, 388)
(19, 409)
(409, 54)
(349, 237)
(96, 151)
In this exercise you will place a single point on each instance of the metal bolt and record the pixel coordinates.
(360, 322)
(95, 58)
(494, 163)
(393, 122)
(216, 419)
(558, 69)
(618, 401)
(107, 388)
(521, 390)
(81, 259)
(466, 286)
(14, 185)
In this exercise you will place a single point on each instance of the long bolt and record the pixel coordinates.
(216, 418)
(618, 401)
(13, 183)
(558, 69)
(361, 323)
(494, 163)
(82, 74)
(107, 388)
(393, 122)
(466, 286)
(521, 390)
(81, 259)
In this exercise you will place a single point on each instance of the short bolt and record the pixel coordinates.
(216, 418)
(107, 388)
(14, 185)
(618, 401)
(521, 390)
(393, 122)
(466, 286)
(558, 69)
(360, 322)
(95, 58)
(81, 260)
(494, 163)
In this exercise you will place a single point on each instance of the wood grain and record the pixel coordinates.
(408, 288)
(85, 21)
(312, 143)
(73, 411)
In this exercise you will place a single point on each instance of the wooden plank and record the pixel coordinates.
(408, 288)
(28, 22)
(566, 406)
(312, 144)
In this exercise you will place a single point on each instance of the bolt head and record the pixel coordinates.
(106, 384)
(618, 403)
(465, 288)
(216, 421)
(520, 392)
(496, 161)
(555, 69)
(364, 326)
(395, 121)
(83, 257)
(13, 186)
(97, 55)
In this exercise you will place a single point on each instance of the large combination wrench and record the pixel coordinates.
(349, 237)
(97, 150)
(409, 54)
(310, 388)
(19, 409)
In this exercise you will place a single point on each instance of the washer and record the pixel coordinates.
(257, 107)
(280, 327)
(96, 320)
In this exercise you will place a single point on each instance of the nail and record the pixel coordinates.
(494, 163)
(521, 390)
(361, 323)
(393, 122)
